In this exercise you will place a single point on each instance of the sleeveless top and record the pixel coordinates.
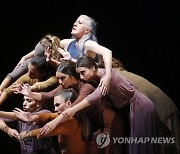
(74, 52)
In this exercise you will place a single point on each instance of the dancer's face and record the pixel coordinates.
(33, 72)
(29, 104)
(85, 73)
(65, 80)
(60, 105)
(80, 27)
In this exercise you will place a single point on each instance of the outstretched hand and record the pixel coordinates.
(22, 115)
(68, 113)
(66, 55)
(47, 53)
(48, 127)
(21, 88)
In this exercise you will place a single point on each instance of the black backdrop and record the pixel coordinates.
(143, 34)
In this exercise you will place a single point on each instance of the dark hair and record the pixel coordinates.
(86, 61)
(68, 68)
(42, 65)
(68, 94)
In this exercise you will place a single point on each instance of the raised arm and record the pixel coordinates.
(107, 57)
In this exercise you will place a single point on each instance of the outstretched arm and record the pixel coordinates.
(24, 116)
(65, 115)
(64, 128)
(39, 118)
(8, 91)
(26, 91)
(3, 97)
(8, 115)
(40, 86)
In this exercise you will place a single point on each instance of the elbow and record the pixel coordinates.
(108, 54)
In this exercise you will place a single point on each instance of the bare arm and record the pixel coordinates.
(66, 115)
(53, 62)
(24, 116)
(107, 57)
(3, 97)
(25, 89)
(8, 115)
(70, 112)
(62, 129)
(39, 118)
(8, 91)
(11, 132)
(27, 56)
(64, 45)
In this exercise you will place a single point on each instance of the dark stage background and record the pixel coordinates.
(143, 34)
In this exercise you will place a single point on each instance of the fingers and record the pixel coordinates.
(16, 91)
(26, 85)
(17, 112)
(104, 90)
(18, 109)
(16, 88)
(46, 128)
(16, 135)
(100, 84)
(15, 85)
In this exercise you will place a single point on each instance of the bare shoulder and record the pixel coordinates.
(65, 43)
(90, 43)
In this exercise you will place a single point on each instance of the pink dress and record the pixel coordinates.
(143, 119)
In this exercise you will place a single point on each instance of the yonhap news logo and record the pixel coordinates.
(104, 139)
